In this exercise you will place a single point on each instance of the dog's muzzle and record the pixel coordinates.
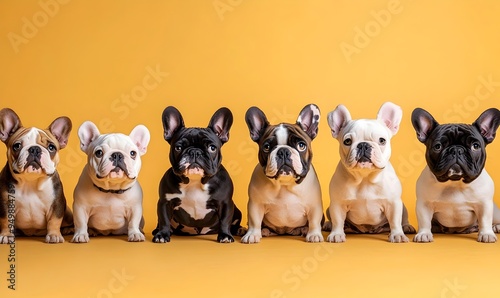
(364, 152)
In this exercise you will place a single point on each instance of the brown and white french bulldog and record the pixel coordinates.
(32, 198)
(284, 191)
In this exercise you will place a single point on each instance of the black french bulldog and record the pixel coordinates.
(196, 192)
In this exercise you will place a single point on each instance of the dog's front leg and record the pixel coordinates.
(255, 217)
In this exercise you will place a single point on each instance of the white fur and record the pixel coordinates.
(456, 204)
(194, 197)
(365, 193)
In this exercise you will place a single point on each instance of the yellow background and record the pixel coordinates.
(81, 58)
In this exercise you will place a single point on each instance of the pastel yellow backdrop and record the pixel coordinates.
(120, 63)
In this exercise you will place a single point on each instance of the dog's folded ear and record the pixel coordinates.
(256, 122)
(338, 119)
(424, 123)
(61, 128)
(87, 133)
(140, 136)
(9, 123)
(391, 115)
(308, 120)
(487, 124)
(172, 122)
(220, 123)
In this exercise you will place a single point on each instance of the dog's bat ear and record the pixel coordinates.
(257, 123)
(9, 123)
(221, 123)
(87, 133)
(487, 124)
(391, 115)
(172, 122)
(61, 128)
(338, 119)
(308, 120)
(424, 123)
(140, 136)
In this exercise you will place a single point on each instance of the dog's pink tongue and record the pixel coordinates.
(32, 169)
(195, 171)
(116, 174)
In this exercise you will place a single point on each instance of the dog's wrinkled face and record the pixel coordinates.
(456, 151)
(285, 149)
(365, 143)
(113, 157)
(195, 153)
(33, 151)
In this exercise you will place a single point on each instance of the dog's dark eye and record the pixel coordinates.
(212, 148)
(178, 148)
(133, 154)
(99, 153)
(475, 146)
(348, 142)
(301, 146)
(382, 141)
(52, 147)
(437, 147)
(266, 147)
(16, 147)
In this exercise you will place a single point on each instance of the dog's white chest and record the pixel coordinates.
(32, 205)
(193, 199)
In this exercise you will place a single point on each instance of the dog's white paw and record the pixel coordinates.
(251, 237)
(7, 239)
(136, 237)
(336, 237)
(423, 237)
(314, 237)
(496, 228)
(80, 238)
(54, 238)
(398, 238)
(487, 237)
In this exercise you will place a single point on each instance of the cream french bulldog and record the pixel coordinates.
(284, 191)
(29, 182)
(365, 193)
(454, 191)
(108, 197)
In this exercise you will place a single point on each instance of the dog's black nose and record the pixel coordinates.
(195, 153)
(364, 152)
(283, 154)
(35, 151)
(457, 151)
(116, 157)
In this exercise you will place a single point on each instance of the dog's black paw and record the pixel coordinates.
(161, 237)
(224, 238)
